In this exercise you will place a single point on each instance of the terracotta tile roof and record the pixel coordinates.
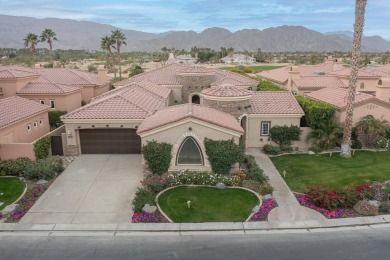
(226, 90)
(363, 73)
(47, 88)
(193, 69)
(151, 87)
(274, 102)
(337, 97)
(228, 75)
(318, 82)
(14, 109)
(124, 103)
(310, 70)
(174, 114)
(69, 77)
(279, 75)
(230, 81)
(10, 72)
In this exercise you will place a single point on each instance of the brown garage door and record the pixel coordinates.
(115, 141)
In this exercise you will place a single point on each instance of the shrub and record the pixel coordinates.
(267, 189)
(44, 169)
(252, 185)
(384, 207)
(136, 70)
(363, 207)
(158, 156)
(254, 172)
(201, 178)
(315, 149)
(271, 149)
(54, 117)
(286, 148)
(155, 183)
(284, 135)
(223, 154)
(316, 113)
(14, 167)
(265, 85)
(332, 199)
(142, 196)
(42, 147)
(248, 70)
(365, 191)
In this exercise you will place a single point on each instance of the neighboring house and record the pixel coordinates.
(49, 84)
(365, 104)
(186, 59)
(22, 122)
(238, 59)
(182, 105)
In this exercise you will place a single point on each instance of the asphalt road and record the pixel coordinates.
(354, 244)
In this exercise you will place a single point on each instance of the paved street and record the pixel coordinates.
(341, 244)
(93, 189)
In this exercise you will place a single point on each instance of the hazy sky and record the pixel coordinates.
(165, 15)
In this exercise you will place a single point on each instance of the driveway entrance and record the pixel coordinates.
(93, 189)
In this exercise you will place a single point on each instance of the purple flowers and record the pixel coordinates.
(265, 208)
(337, 213)
(26, 203)
(142, 217)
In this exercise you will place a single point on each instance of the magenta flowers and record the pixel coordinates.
(142, 217)
(265, 208)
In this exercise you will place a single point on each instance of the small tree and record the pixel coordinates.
(284, 135)
(373, 128)
(326, 136)
(158, 156)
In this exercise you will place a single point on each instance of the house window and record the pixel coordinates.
(42, 102)
(52, 104)
(362, 85)
(41, 121)
(189, 153)
(29, 127)
(265, 127)
(35, 124)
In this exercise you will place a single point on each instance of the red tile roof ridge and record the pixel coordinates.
(226, 90)
(47, 88)
(8, 72)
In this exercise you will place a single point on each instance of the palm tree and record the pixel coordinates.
(31, 42)
(106, 44)
(373, 129)
(360, 7)
(49, 36)
(325, 136)
(119, 39)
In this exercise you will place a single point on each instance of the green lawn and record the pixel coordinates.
(208, 204)
(11, 188)
(304, 170)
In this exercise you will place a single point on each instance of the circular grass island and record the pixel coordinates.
(208, 204)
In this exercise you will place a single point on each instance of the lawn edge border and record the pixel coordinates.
(24, 191)
(192, 185)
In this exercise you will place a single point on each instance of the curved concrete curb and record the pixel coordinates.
(24, 191)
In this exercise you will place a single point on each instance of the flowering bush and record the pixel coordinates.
(265, 208)
(365, 191)
(155, 183)
(142, 217)
(332, 199)
(201, 178)
(143, 196)
(26, 203)
(337, 213)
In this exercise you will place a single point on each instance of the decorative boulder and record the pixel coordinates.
(255, 209)
(374, 203)
(41, 182)
(149, 209)
(220, 186)
(267, 196)
(364, 207)
(9, 210)
(311, 152)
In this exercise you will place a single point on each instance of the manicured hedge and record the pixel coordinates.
(315, 112)
(158, 156)
(54, 117)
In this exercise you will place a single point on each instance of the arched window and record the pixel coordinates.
(380, 82)
(189, 153)
(195, 99)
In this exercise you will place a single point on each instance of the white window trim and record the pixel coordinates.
(35, 124)
(54, 103)
(41, 121)
(42, 102)
(197, 146)
(29, 127)
(262, 126)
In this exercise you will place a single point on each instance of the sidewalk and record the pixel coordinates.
(288, 209)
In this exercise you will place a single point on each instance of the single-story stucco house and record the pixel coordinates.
(182, 105)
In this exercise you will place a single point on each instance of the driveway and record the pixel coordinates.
(93, 189)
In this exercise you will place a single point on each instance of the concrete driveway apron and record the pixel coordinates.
(93, 189)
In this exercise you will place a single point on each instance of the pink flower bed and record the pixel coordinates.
(337, 213)
(265, 208)
(142, 217)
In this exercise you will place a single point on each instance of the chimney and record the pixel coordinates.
(102, 73)
(293, 75)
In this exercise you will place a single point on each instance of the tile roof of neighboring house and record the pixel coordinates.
(47, 88)
(279, 75)
(309, 70)
(69, 77)
(274, 102)
(129, 102)
(14, 109)
(338, 97)
(230, 81)
(363, 73)
(10, 72)
(151, 87)
(193, 69)
(223, 74)
(226, 90)
(318, 82)
(173, 114)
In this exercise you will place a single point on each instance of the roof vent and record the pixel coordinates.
(319, 73)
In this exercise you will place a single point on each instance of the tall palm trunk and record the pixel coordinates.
(357, 42)
(112, 61)
(51, 52)
(119, 62)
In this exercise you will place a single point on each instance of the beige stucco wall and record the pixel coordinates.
(19, 133)
(11, 86)
(14, 151)
(67, 103)
(176, 134)
(254, 139)
(87, 93)
(101, 89)
(373, 108)
(175, 96)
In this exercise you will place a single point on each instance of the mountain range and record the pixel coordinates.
(73, 34)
